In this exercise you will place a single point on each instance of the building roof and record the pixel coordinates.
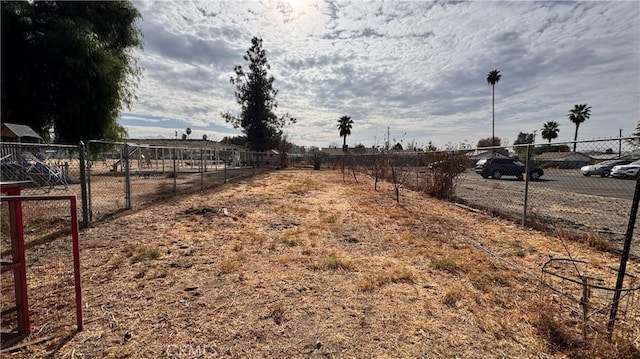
(13, 130)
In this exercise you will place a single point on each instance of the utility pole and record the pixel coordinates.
(388, 144)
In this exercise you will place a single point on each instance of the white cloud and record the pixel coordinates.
(416, 67)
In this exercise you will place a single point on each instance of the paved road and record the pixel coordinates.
(567, 180)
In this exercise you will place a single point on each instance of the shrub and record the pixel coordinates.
(443, 171)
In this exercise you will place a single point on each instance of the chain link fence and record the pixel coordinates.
(577, 190)
(41, 169)
(587, 191)
(110, 177)
(128, 175)
(106, 169)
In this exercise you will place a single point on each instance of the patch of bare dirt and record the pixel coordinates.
(299, 263)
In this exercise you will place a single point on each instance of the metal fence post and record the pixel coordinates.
(201, 170)
(417, 172)
(89, 193)
(127, 178)
(175, 170)
(526, 185)
(624, 257)
(83, 184)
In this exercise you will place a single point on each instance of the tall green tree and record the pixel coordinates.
(523, 138)
(235, 140)
(578, 114)
(345, 123)
(257, 99)
(635, 142)
(489, 142)
(492, 79)
(69, 66)
(550, 130)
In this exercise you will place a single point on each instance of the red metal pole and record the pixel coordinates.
(20, 273)
(23, 266)
(76, 262)
(17, 235)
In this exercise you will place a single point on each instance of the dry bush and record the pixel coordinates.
(563, 335)
(445, 168)
(556, 333)
(591, 239)
(452, 297)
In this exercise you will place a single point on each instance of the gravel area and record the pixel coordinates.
(557, 208)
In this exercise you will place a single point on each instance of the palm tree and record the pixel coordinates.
(344, 125)
(492, 79)
(550, 131)
(578, 115)
(188, 132)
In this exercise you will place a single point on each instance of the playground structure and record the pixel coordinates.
(42, 169)
(153, 160)
(17, 262)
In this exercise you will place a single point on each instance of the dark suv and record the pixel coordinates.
(497, 167)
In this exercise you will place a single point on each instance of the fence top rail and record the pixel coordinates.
(204, 147)
(105, 142)
(151, 147)
(565, 143)
(71, 197)
(24, 144)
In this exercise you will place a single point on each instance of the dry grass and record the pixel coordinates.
(379, 279)
(332, 262)
(303, 265)
(141, 253)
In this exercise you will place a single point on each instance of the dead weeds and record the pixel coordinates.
(302, 264)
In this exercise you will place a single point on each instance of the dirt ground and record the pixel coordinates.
(298, 263)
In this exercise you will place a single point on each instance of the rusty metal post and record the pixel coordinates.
(624, 257)
(76, 260)
(85, 182)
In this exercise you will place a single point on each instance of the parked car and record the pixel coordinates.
(497, 167)
(603, 169)
(626, 171)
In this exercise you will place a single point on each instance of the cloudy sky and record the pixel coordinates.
(418, 68)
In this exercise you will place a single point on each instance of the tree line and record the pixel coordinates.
(68, 68)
